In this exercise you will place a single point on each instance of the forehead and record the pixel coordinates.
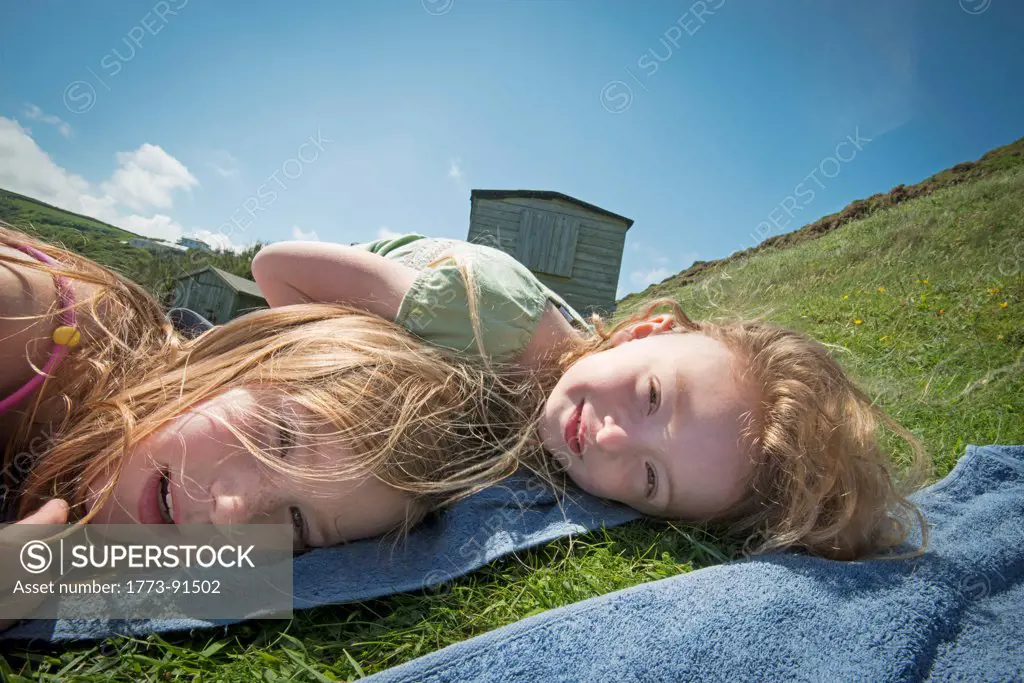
(702, 374)
(689, 351)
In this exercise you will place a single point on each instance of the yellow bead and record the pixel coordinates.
(67, 336)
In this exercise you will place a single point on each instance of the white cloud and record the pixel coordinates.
(384, 232)
(639, 280)
(649, 276)
(26, 169)
(146, 176)
(224, 164)
(298, 234)
(217, 240)
(34, 112)
(655, 268)
(458, 176)
(158, 226)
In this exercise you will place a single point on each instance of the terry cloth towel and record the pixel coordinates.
(519, 513)
(956, 613)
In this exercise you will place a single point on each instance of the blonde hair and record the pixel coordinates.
(441, 427)
(121, 324)
(419, 418)
(821, 480)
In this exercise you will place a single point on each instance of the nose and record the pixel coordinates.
(230, 508)
(238, 502)
(611, 468)
(610, 437)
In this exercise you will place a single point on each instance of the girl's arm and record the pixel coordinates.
(553, 336)
(297, 272)
(302, 272)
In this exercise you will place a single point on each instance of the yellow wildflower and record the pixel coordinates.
(858, 321)
(881, 290)
(925, 281)
(1004, 304)
(846, 296)
(994, 290)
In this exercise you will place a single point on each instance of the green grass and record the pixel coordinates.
(937, 285)
(926, 279)
(102, 243)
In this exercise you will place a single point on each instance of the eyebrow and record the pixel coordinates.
(677, 405)
(677, 408)
(668, 485)
(328, 534)
(314, 523)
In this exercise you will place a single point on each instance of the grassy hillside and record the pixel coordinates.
(921, 299)
(87, 236)
(993, 162)
(922, 302)
(102, 243)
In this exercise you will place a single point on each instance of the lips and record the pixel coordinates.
(149, 503)
(151, 507)
(574, 431)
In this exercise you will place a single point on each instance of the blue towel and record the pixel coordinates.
(956, 613)
(515, 515)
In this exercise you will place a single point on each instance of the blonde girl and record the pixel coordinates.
(319, 415)
(348, 426)
(744, 424)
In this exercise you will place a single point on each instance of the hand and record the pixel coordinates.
(13, 537)
(54, 512)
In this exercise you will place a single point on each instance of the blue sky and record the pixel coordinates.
(711, 124)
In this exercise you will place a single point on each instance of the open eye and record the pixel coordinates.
(653, 395)
(652, 481)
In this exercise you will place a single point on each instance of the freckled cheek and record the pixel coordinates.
(241, 470)
(596, 483)
(118, 507)
(219, 464)
(581, 480)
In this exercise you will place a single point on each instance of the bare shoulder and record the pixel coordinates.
(28, 299)
(554, 334)
(21, 288)
(24, 294)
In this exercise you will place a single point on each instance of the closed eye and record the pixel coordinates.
(285, 439)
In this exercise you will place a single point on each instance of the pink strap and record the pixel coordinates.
(59, 351)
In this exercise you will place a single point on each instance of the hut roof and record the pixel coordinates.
(238, 284)
(547, 195)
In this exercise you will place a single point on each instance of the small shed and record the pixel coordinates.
(217, 295)
(573, 247)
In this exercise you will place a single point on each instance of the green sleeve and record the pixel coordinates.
(386, 245)
(509, 302)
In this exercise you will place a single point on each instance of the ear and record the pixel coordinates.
(656, 325)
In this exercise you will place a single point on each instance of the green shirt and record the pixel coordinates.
(510, 300)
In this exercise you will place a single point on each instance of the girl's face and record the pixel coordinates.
(653, 422)
(195, 471)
